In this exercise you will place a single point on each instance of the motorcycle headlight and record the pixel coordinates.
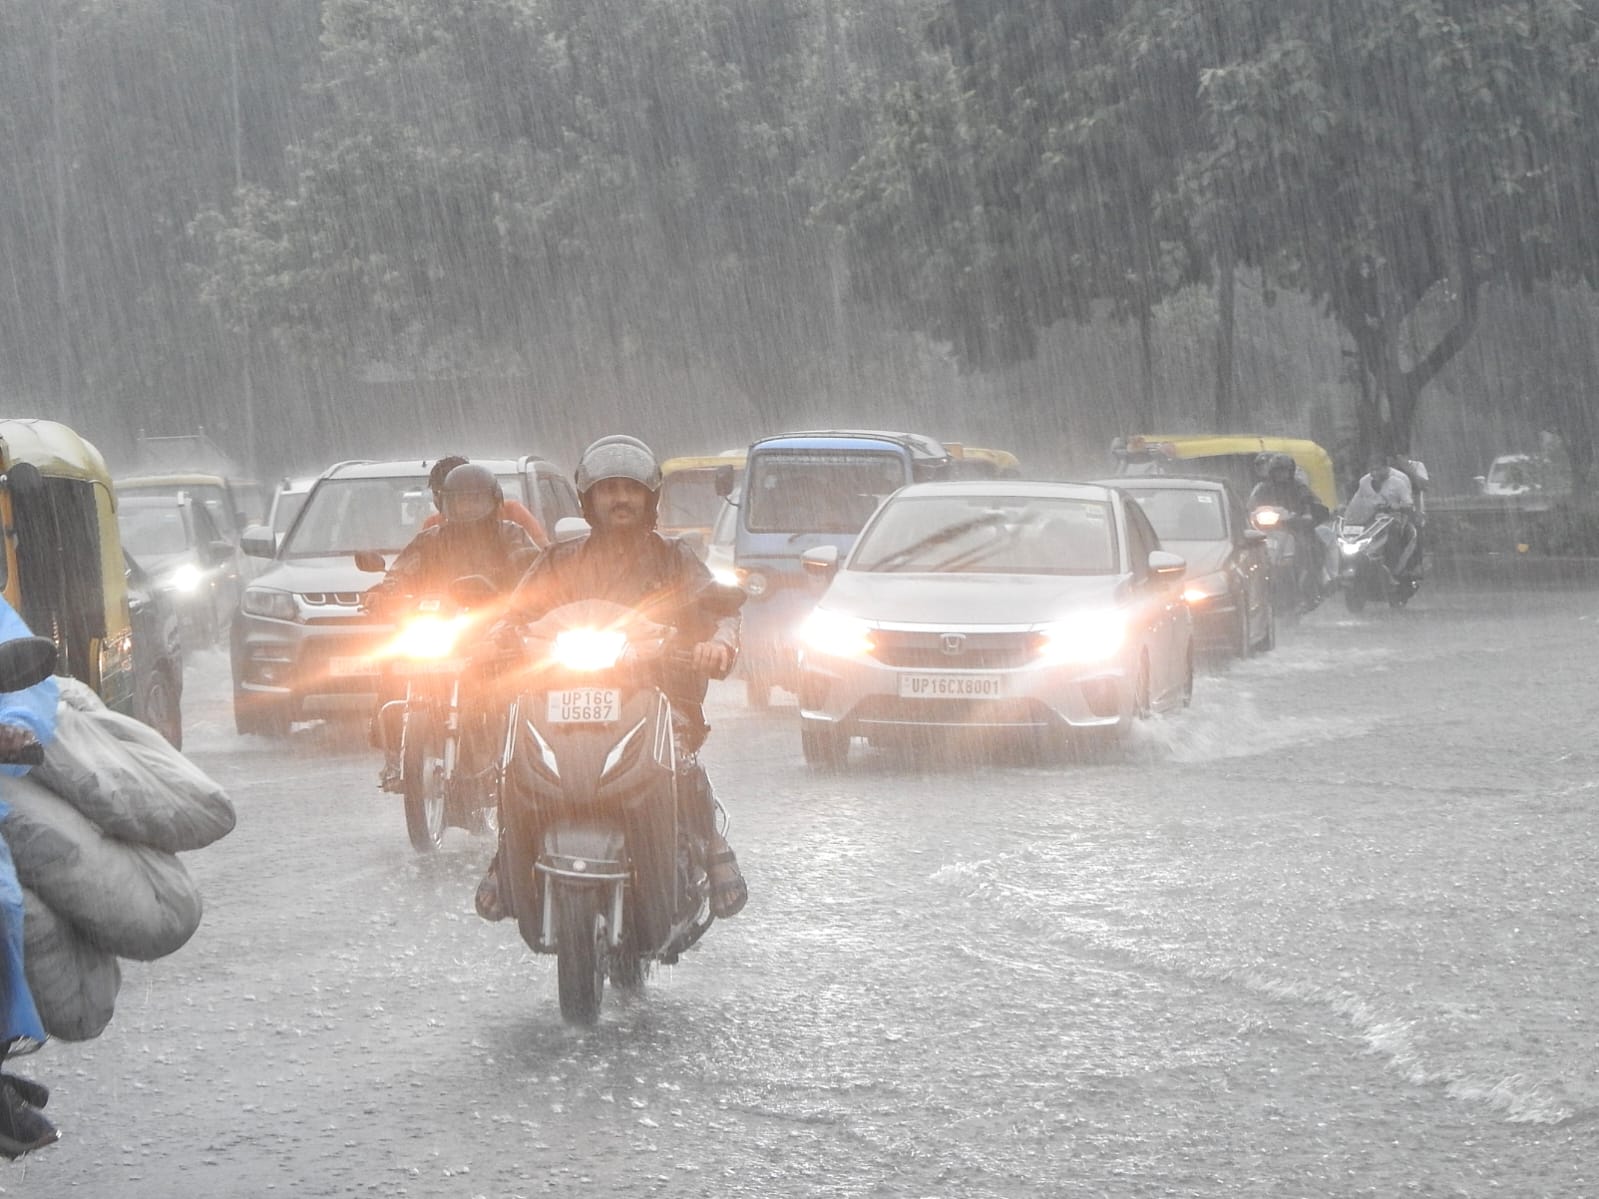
(1088, 637)
(1268, 518)
(427, 637)
(186, 578)
(1350, 548)
(269, 602)
(588, 649)
(1207, 587)
(835, 635)
(726, 576)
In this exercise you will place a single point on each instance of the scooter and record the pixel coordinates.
(598, 863)
(1363, 572)
(1295, 584)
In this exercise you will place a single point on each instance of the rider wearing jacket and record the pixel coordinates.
(474, 539)
(625, 561)
(1282, 488)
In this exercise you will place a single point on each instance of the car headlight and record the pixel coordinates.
(428, 637)
(267, 601)
(725, 575)
(1087, 637)
(186, 578)
(835, 635)
(1207, 587)
(588, 649)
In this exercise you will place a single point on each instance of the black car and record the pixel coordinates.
(186, 556)
(157, 655)
(1228, 583)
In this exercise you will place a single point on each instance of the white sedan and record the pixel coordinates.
(994, 605)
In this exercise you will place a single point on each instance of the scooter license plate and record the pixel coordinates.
(951, 686)
(585, 705)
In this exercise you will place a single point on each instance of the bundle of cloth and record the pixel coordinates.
(95, 831)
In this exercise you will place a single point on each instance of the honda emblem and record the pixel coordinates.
(954, 643)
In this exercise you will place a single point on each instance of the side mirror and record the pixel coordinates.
(820, 561)
(1255, 537)
(370, 561)
(1481, 481)
(570, 528)
(258, 542)
(724, 480)
(1166, 567)
(25, 661)
(473, 591)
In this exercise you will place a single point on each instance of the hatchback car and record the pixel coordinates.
(179, 546)
(301, 642)
(994, 605)
(1228, 584)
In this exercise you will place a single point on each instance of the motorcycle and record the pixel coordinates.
(1295, 584)
(598, 864)
(1363, 572)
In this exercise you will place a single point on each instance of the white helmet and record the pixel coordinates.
(618, 457)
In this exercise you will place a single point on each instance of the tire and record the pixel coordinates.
(824, 746)
(580, 953)
(162, 708)
(1354, 597)
(757, 694)
(423, 770)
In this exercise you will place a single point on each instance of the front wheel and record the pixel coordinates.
(580, 953)
(160, 707)
(824, 746)
(1355, 596)
(424, 783)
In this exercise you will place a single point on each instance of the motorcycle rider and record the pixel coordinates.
(1282, 488)
(1384, 489)
(624, 560)
(513, 510)
(474, 538)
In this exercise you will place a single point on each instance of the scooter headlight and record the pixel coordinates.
(427, 637)
(585, 650)
(1268, 518)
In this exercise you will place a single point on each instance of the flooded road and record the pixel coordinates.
(1330, 933)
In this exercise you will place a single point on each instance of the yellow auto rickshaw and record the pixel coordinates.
(690, 500)
(976, 462)
(1229, 457)
(63, 564)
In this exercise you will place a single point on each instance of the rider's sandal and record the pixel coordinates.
(729, 896)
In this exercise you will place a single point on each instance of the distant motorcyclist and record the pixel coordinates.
(1384, 489)
(475, 538)
(1282, 488)
(625, 561)
(513, 509)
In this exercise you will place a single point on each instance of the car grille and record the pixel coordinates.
(954, 651)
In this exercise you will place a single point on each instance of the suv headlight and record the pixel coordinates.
(267, 601)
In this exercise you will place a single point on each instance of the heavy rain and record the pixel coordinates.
(1081, 514)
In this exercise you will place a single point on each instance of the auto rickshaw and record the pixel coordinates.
(1230, 457)
(690, 500)
(64, 570)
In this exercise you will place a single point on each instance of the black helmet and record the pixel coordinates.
(1281, 466)
(470, 493)
(441, 470)
(617, 457)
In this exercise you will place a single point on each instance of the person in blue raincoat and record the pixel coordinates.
(25, 716)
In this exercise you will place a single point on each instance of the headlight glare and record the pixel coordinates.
(427, 637)
(586, 650)
(1207, 587)
(186, 578)
(835, 635)
(1087, 637)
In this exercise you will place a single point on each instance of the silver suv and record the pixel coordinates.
(301, 642)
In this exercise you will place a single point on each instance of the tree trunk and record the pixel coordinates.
(1226, 315)
(1146, 370)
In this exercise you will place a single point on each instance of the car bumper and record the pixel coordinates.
(861, 696)
(304, 665)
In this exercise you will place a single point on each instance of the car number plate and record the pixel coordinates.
(585, 705)
(951, 686)
(349, 668)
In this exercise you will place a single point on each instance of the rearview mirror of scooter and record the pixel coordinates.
(26, 661)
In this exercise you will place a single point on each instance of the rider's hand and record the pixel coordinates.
(713, 659)
(13, 739)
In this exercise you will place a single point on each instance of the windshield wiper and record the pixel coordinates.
(948, 533)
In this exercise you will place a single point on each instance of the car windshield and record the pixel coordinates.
(150, 531)
(1182, 515)
(818, 492)
(345, 515)
(286, 508)
(689, 499)
(990, 534)
(211, 495)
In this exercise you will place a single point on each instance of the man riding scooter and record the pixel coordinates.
(1384, 489)
(1282, 488)
(625, 561)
